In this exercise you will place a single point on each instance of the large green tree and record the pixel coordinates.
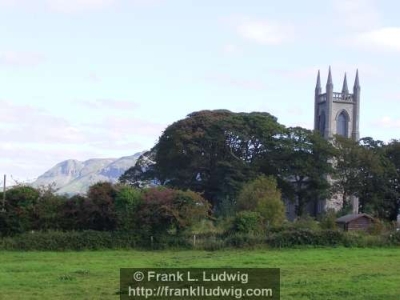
(305, 164)
(392, 195)
(347, 166)
(213, 152)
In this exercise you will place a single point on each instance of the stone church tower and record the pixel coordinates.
(337, 113)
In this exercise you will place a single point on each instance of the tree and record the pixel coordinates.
(347, 165)
(20, 210)
(213, 152)
(47, 209)
(392, 196)
(100, 204)
(74, 214)
(164, 209)
(375, 177)
(261, 195)
(305, 164)
(127, 203)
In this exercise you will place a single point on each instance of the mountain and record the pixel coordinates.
(74, 177)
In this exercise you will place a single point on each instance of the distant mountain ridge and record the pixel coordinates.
(75, 177)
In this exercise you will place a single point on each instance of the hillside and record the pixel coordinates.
(74, 176)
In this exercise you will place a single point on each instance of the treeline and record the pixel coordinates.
(216, 152)
(115, 216)
(106, 207)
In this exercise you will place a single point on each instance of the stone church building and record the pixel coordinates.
(335, 113)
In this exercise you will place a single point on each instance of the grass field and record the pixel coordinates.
(334, 273)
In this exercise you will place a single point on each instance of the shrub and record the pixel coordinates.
(328, 220)
(376, 228)
(261, 195)
(305, 222)
(248, 222)
(240, 240)
(164, 210)
(305, 237)
(72, 240)
(127, 202)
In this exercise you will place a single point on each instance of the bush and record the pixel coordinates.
(363, 239)
(305, 222)
(73, 240)
(328, 220)
(305, 237)
(249, 222)
(376, 228)
(239, 240)
(394, 238)
(262, 195)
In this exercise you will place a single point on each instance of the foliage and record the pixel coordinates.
(165, 209)
(249, 222)
(305, 157)
(47, 210)
(391, 203)
(100, 201)
(348, 159)
(328, 220)
(213, 152)
(305, 222)
(20, 210)
(305, 237)
(127, 202)
(261, 195)
(72, 240)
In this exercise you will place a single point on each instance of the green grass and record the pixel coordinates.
(331, 273)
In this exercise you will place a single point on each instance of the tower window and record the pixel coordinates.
(342, 124)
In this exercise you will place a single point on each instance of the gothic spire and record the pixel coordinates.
(345, 89)
(329, 82)
(357, 82)
(318, 86)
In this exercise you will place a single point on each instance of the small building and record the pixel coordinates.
(355, 222)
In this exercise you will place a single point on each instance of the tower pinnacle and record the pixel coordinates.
(357, 82)
(345, 89)
(318, 86)
(329, 82)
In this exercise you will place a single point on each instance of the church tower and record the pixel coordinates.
(337, 113)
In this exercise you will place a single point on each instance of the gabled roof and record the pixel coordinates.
(352, 217)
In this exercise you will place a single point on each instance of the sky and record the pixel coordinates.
(84, 79)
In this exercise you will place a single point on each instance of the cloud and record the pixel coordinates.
(110, 104)
(117, 128)
(356, 14)
(387, 38)
(33, 140)
(14, 58)
(72, 6)
(309, 73)
(231, 49)
(299, 73)
(93, 77)
(261, 31)
(387, 122)
(225, 79)
(265, 32)
(27, 124)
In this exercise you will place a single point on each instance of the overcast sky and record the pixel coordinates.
(102, 78)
